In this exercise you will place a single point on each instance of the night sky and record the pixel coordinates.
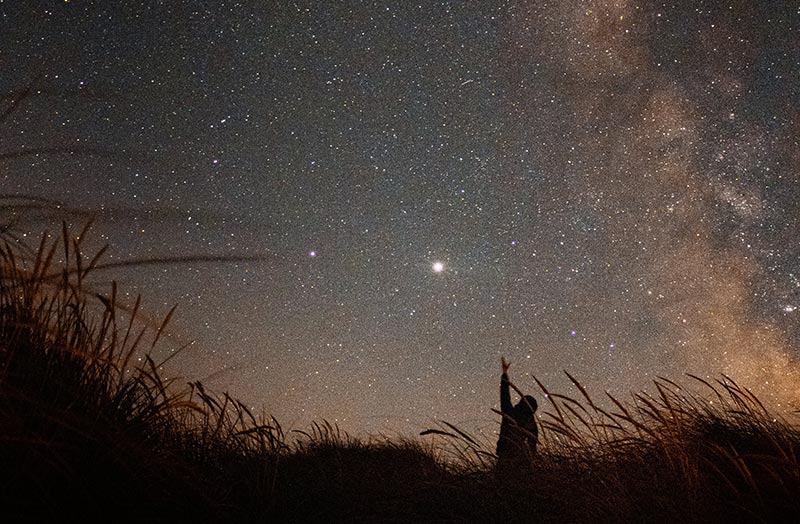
(608, 188)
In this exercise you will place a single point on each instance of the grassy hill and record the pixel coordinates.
(91, 431)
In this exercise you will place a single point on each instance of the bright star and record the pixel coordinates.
(438, 267)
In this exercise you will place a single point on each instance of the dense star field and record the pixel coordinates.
(610, 188)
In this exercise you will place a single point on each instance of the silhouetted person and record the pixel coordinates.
(518, 430)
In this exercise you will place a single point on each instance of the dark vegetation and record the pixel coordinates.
(91, 430)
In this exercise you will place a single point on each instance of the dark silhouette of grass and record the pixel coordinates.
(91, 430)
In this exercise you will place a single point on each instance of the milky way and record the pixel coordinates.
(608, 188)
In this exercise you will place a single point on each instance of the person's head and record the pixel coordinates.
(526, 407)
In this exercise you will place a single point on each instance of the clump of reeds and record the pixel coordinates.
(83, 401)
(708, 454)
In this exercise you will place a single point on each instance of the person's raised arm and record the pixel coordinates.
(505, 389)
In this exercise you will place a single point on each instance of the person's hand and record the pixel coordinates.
(505, 364)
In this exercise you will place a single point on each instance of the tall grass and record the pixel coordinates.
(91, 429)
(84, 409)
(713, 453)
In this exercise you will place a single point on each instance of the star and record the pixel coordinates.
(438, 267)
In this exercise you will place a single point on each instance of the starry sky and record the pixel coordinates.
(605, 187)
